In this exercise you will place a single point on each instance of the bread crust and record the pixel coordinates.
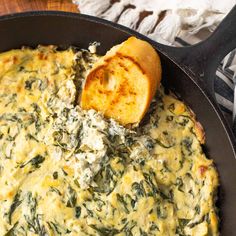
(123, 82)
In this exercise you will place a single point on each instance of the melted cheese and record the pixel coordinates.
(65, 171)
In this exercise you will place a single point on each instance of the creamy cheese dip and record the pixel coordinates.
(65, 171)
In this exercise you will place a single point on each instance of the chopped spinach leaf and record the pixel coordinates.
(121, 199)
(35, 162)
(77, 211)
(55, 175)
(103, 231)
(72, 197)
(138, 189)
(11, 232)
(16, 202)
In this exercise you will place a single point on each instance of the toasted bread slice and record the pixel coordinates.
(123, 82)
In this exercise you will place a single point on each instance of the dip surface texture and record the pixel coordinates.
(65, 171)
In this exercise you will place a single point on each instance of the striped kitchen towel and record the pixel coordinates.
(178, 23)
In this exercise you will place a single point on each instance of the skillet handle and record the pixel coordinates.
(201, 60)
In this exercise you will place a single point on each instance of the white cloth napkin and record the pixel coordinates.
(191, 15)
(175, 22)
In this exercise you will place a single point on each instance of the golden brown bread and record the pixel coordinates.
(123, 82)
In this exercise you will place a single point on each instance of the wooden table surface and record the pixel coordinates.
(12, 6)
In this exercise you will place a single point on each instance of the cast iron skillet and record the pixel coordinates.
(188, 72)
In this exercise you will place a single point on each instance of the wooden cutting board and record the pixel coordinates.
(12, 6)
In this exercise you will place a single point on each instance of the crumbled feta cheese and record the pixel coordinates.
(93, 139)
(93, 47)
(56, 152)
(67, 92)
(8, 149)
